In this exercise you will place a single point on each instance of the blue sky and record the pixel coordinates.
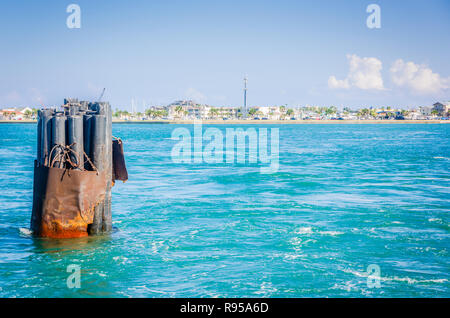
(294, 52)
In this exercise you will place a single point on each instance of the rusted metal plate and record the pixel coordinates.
(64, 201)
(119, 167)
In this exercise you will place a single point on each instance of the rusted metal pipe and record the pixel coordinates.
(58, 139)
(107, 215)
(45, 140)
(87, 138)
(39, 137)
(104, 108)
(99, 159)
(75, 138)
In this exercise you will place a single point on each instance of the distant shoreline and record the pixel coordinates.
(256, 122)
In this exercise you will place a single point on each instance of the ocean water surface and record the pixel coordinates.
(344, 197)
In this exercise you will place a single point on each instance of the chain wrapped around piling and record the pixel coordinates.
(64, 156)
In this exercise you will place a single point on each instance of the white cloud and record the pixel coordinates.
(418, 78)
(195, 95)
(364, 73)
(335, 83)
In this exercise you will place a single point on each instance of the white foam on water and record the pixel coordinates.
(304, 230)
(348, 287)
(291, 256)
(25, 232)
(266, 289)
(438, 221)
(146, 289)
(120, 259)
(296, 241)
(396, 278)
(156, 246)
(332, 233)
(441, 158)
(309, 230)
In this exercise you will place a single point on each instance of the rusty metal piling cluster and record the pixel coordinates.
(75, 145)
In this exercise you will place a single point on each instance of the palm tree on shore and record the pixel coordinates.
(213, 112)
(363, 113)
(28, 114)
(330, 110)
(118, 113)
(252, 112)
(290, 112)
(149, 113)
(178, 109)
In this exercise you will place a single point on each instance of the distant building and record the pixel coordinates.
(188, 109)
(425, 110)
(9, 113)
(441, 109)
(16, 113)
(413, 115)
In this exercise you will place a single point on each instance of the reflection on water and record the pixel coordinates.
(62, 246)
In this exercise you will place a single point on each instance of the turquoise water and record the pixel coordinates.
(345, 197)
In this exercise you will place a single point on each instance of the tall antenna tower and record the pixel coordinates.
(245, 95)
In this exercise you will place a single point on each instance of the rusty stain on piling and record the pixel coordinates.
(64, 206)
